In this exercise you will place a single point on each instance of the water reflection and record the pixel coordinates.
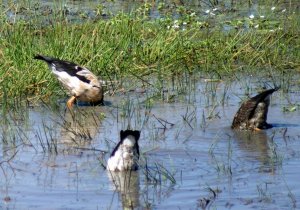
(8, 140)
(126, 183)
(178, 168)
(79, 126)
(258, 145)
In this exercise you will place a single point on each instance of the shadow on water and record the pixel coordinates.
(79, 127)
(285, 125)
(257, 143)
(127, 184)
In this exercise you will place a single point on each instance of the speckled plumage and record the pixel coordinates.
(79, 81)
(126, 154)
(252, 114)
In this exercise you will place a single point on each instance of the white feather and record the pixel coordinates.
(70, 82)
(84, 72)
(124, 158)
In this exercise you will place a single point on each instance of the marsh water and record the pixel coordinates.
(55, 159)
(52, 158)
(80, 11)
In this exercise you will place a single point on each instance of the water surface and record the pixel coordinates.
(52, 159)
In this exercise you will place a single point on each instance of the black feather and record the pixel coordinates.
(60, 65)
(123, 135)
(261, 97)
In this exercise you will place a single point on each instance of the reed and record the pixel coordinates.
(137, 48)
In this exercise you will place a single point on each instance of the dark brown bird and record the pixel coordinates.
(252, 114)
(81, 83)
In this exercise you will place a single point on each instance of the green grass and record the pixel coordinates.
(136, 47)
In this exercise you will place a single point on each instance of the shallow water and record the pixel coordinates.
(81, 11)
(53, 159)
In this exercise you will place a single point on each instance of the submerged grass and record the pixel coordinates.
(134, 46)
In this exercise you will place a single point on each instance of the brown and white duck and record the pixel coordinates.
(81, 83)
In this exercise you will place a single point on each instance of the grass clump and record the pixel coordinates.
(134, 46)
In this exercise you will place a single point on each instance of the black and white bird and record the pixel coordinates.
(252, 114)
(126, 154)
(82, 84)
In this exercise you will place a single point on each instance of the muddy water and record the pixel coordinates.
(52, 159)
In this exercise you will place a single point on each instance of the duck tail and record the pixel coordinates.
(126, 133)
(39, 57)
(43, 58)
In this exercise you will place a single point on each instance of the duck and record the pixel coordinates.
(125, 155)
(80, 82)
(252, 115)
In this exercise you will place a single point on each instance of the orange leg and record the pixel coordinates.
(257, 129)
(71, 102)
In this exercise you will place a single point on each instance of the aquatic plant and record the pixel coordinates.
(264, 193)
(139, 48)
(158, 174)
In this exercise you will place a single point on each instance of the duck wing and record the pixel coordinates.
(65, 66)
